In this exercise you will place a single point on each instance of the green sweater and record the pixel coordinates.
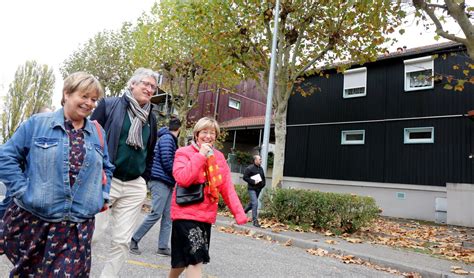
(130, 163)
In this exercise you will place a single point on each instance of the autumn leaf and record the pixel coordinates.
(353, 240)
(460, 271)
(288, 242)
(459, 88)
(317, 252)
(455, 67)
(330, 241)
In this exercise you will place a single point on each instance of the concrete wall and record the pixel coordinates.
(460, 204)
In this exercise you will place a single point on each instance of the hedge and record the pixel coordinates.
(339, 213)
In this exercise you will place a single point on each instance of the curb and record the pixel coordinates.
(305, 244)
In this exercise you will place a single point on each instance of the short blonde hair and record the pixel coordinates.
(204, 123)
(81, 81)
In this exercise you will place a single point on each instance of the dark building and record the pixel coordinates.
(392, 121)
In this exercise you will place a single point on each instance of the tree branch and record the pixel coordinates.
(439, 27)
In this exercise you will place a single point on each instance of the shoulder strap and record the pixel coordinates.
(99, 132)
(101, 139)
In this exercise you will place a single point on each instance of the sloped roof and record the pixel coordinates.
(420, 49)
(405, 53)
(245, 123)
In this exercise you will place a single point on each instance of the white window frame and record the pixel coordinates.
(231, 105)
(409, 130)
(418, 64)
(344, 134)
(355, 78)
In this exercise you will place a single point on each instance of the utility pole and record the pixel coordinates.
(271, 85)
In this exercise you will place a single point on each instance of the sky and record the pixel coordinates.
(49, 31)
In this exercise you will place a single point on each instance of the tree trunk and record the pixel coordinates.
(280, 141)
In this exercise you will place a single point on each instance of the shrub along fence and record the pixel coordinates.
(339, 213)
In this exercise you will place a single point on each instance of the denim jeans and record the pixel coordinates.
(161, 204)
(253, 193)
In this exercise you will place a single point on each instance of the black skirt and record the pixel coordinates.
(190, 243)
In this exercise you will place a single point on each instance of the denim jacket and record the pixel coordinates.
(34, 165)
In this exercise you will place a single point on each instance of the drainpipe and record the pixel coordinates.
(235, 137)
(217, 102)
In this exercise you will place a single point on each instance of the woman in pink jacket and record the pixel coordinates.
(191, 233)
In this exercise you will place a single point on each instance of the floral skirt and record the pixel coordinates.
(189, 243)
(44, 249)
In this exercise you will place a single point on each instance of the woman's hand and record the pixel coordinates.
(205, 148)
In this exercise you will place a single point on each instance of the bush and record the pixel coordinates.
(339, 213)
(243, 196)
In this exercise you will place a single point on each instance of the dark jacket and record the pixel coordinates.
(110, 113)
(250, 171)
(165, 149)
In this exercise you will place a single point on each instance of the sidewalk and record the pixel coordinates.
(404, 261)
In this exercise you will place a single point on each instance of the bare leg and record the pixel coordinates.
(194, 271)
(175, 272)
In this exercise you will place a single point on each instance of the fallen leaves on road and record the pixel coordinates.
(289, 242)
(330, 241)
(317, 252)
(352, 240)
(459, 270)
(351, 259)
(441, 240)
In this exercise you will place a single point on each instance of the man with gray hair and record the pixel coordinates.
(130, 127)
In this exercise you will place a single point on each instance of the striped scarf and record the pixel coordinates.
(138, 118)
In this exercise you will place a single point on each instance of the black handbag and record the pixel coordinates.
(192, 194)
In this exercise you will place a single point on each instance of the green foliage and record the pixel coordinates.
(30, 91)
(163, 43)
(243, 158)
(337, 212)
(459, 76)
(219, 144)
(241, 192)
(107, 56)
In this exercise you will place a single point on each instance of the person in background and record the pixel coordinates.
(255, 179)
(191, 232)
(53, 169)
(131, 137)
(161, 186)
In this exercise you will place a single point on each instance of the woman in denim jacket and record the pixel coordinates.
(53, 168)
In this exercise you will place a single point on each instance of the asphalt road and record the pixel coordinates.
(231, 256)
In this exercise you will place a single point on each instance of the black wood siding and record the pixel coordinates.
(316, 152)
(314, 149)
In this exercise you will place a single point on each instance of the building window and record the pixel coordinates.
(419, 135)
(419, 74)
(353, 137)
(355, 81)
(233, 103)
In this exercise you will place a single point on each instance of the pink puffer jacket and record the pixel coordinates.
(188, 168)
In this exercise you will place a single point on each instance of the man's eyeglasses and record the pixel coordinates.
(148, 84)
